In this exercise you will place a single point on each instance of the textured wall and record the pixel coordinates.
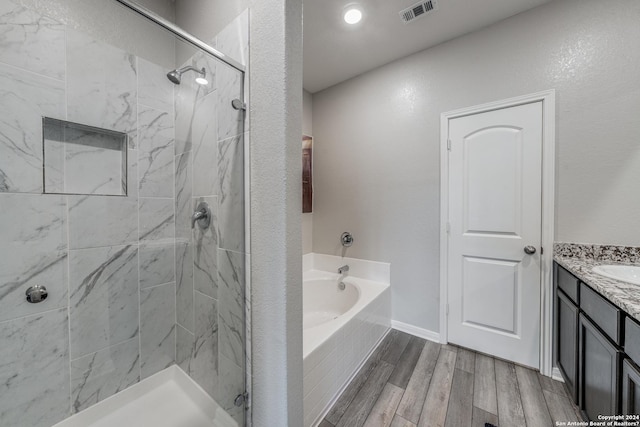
(307, 129)
(377, 138)
(276, 264)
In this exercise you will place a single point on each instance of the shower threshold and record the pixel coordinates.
(167, 399)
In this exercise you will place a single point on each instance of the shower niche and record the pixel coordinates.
(81, 159)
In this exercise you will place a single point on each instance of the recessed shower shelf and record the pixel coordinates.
(81, 159)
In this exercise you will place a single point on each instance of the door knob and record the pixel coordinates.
(529, 250)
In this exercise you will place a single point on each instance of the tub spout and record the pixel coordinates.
(344, 269)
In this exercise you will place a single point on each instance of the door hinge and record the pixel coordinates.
(242, 399)
(541, 250)
(448, 144)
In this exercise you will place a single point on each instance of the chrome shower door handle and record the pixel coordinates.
(202, 216)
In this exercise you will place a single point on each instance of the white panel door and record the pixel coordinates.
(495, 201)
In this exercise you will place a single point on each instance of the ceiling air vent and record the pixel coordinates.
(417, 10)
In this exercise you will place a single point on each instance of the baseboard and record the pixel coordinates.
(556, 375)
(416, 331)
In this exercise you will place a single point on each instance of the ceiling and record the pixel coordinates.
(335, 51)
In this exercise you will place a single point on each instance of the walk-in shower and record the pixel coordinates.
(107, 149)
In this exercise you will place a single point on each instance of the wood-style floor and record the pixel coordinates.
(409, 382)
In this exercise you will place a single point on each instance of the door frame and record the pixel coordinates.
(548, 99)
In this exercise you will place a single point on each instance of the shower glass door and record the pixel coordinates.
(114, 132)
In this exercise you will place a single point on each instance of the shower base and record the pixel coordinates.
(167, 399)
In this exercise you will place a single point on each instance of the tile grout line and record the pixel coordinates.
(33, 73)
(495, 385)
(67, 214)
(175, 223)
(106, 347)
(40, 313)
(66, 210)
(137, 183)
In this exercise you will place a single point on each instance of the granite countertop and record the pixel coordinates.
(580, 259)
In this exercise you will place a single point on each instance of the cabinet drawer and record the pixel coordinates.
(567, 282)
(604, 314)
(632, 340)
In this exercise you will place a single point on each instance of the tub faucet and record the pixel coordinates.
(342, 271)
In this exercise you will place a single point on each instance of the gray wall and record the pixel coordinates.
(276, 168)
(307, 129)
(377, 138)
(164, 8)
(206, 18)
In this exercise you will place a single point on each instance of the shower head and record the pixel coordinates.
(175, 76)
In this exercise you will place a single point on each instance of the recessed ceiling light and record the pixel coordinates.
(352, 15)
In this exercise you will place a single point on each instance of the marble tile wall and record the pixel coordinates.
(108, 262)
(211, 264)
(132, 287)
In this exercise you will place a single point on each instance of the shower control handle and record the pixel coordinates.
(36, 294)
(346, 239)
(202, 216)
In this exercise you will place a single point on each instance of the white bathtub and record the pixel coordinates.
(341, 327)
(324, 301)
(326, 308)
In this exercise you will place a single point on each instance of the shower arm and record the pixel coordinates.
(183, 70)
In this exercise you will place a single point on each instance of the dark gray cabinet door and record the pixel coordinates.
(630, 388)
(599, 365)
(567, 341)
(567, 282)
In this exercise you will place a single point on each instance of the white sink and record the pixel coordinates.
(625, 273)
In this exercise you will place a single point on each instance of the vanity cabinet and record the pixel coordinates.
(630, 388)
(630, 398)
(599, 365)
(589, 342)
(567, 341)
